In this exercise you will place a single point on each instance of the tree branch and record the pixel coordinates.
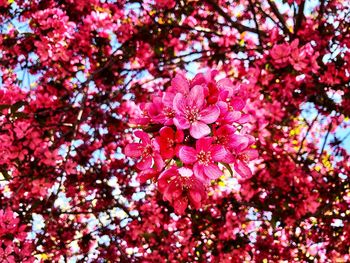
(279, 17)
(256, 22)
(299, 17)
(307, 133)
(325, 140)
(241, 28)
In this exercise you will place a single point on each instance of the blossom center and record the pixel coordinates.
(192, 114)
(169, 113)
(170, 142)
(221, 140)
(147, 150)
(204, 158)
(244, 157)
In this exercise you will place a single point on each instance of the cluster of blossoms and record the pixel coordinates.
(196, 130)
(302, 59)
(14, 246)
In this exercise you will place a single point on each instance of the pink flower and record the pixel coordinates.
(230, 106)
(179, 186)
(192, 114)
(280, 54)
(5, 254)
(39, 187)
(179, 84)
(148, 151)
(204, 78)
(241, 166)
(227, 88)
(21, 129)
(227, 113)
(203, 158)
(50, 158)
(224, 136)
(168, 141)
(165, 3)
(242, 154)
(298, 59)
(147, 174)
(8, 221)
(159, 112)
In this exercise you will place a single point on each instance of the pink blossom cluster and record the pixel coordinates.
(195, 129)
(165, 3)
(302, 59)
(14, 246)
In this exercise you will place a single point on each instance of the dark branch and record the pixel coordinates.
(299, 17)
(256, 21)
(241, 28)
(307, 133)
(325, 140)
(279, 17)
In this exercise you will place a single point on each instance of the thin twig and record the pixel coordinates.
(299, 17)
(279, 17)
(307, 133)
(256, 22)
(241, 28)
(325, 140)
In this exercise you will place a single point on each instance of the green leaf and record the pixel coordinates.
(179, 163)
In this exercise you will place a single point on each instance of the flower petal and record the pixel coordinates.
(158, 161)
(238, 104)
(196, 97)
(203, 144)
(180, 205)
(243, 170)
(227, 85)
(167, 153)
(244, 119)
(167, 132)
(180, 84)
(133, 150)
(164, 178)
(187, 154)
(181, 123)
(229, 158)
(199, 79)
(173, 191)
(179, 136)
(199, 129)
(143, 136)
(232, 116)
(168, 99)
(239, 142)
(198, 171)
(210, 114)
(212, 171)
(218, 153)
(179, 103)
(251, 154)
(145, 163)
(185, 172)
(195, 199)
(146, 175)
(225, 131)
